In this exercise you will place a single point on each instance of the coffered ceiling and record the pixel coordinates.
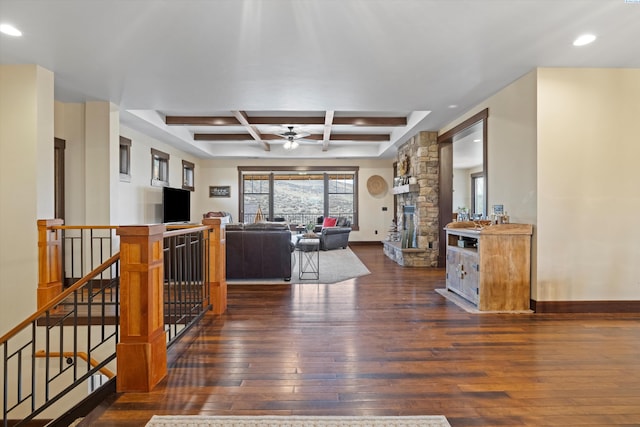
(222, 78)
(268, 132)
(317, 134)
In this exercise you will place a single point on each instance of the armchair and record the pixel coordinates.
(336, 236)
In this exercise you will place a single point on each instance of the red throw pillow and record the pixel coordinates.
(329, 222)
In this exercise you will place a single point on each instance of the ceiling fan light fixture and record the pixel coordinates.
(291, 144)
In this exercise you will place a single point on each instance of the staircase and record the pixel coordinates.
(92, 338)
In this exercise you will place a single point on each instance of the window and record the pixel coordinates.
(256, 196)
(340, 194)
(188, 175)
(298, 196)
(477, 194)
(159, 168)
(125, 159)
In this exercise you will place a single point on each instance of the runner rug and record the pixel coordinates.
(297, 421)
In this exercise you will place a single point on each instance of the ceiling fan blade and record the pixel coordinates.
(290, 133)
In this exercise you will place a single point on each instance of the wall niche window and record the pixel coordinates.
(125, 159)
(188, 175)
(159, 168)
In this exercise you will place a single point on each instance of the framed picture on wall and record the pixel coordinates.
(219, 191)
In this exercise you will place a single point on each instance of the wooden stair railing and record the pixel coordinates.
(140, 342)
(68, 252)
(80, 355)
(52, 235)
(28, 388)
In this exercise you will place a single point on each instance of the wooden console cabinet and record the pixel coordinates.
(490, 267)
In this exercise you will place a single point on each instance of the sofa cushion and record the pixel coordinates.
(266, 226)
(233, 226)
(342, 222)
(329, 222)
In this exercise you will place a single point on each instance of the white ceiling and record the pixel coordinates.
(356, 57)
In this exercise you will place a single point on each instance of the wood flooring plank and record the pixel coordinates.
(388, 344)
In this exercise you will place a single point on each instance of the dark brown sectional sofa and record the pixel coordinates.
(258, 251)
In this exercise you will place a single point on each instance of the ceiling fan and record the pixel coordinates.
(292, 138)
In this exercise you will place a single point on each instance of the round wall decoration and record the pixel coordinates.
(376, 185)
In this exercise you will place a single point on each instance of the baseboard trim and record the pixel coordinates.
(632, 306)
(366, 243)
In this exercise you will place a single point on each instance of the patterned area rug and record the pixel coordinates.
(336, 265)
(298, 421)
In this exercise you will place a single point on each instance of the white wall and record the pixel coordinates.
(371, 217)
(589, 201)
(26, 183)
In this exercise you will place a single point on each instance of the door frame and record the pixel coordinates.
(445, 153)
(59, 146)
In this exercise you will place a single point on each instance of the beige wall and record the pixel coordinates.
(91, 139)
(588, 204)
(462, 188)
(511, 159)
(94, 192)
(371, 216)
(511, 163)
(26, 183)
(69, 126)
(563, 149)
(139, 201)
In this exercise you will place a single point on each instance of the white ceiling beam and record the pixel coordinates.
(244, 121)
(328, 123)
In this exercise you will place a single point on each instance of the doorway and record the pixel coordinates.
(58, 177)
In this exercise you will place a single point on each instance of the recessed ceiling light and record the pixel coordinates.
(10, 30)
(453, 106)
(584, 40)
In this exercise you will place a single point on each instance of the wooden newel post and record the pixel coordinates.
(49, 260)
(217, 265)
(142, 351)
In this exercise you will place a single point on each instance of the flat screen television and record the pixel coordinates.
(176, 205)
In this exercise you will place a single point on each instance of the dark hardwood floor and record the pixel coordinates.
(388, 344)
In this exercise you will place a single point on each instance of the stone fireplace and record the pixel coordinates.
(418, 159)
